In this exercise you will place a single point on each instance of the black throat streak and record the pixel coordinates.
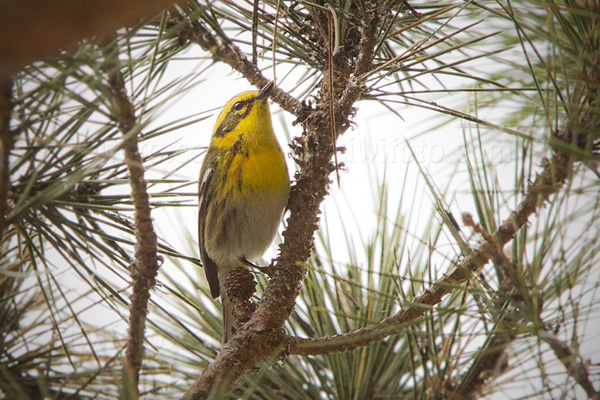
(238, 149)
(238, 145)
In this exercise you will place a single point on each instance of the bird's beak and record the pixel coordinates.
(265, 91)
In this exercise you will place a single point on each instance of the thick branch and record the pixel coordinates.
(262, 336)
(145, 264)
(6, 146)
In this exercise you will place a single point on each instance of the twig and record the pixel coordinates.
(333, 45)
(412, 10)
(255, 31)
(568, 357)
(274, 43)
(145, 265)
(6, 146)
(490, 360)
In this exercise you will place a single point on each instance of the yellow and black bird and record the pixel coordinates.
(244, 188)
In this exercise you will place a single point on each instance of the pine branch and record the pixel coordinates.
(548, 182)
(552, 178)
(262, 337)
(491, 360)
(145, 265)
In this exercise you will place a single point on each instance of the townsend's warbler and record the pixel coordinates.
(243, 191)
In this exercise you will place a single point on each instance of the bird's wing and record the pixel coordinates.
(204, 197)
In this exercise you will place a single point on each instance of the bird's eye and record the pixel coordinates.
(238, 106)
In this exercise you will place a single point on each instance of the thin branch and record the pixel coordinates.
(274, 44)
(491, 360)
(255, 31)
(412, 10)
(333, 45)
(6, 146)
(568, 356)
(548, 182)
(145, 265)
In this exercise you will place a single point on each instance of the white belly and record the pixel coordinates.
(245, 232)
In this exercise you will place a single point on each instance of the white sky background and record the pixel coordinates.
(375, 149)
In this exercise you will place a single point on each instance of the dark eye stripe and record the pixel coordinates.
(233, 118)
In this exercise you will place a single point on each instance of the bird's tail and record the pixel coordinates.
(227, 316)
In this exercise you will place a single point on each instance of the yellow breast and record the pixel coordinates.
(257, 163)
